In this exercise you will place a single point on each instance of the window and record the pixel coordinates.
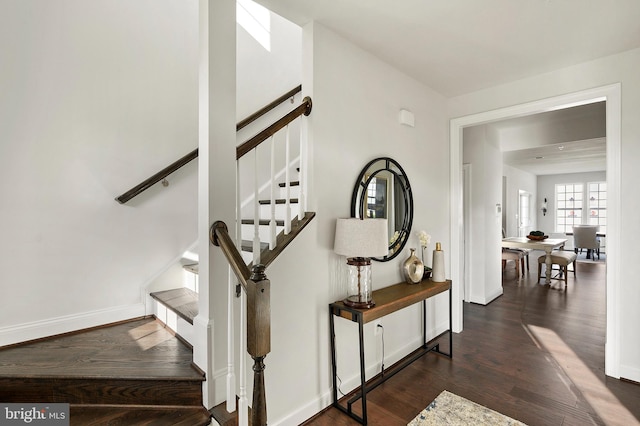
(598, 205)
(568, 206)
(376, 198)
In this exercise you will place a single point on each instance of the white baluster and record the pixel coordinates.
(287, 186)
(272, 222)
(302, 164)
(256, 211)
(243, 403)
(231, 375)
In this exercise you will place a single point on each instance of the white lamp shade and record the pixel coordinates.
(361, 237)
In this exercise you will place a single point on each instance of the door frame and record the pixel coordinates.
(521, 193)
(612, 95)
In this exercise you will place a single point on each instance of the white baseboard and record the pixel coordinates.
(53, 326)
(630, 373)
(306, 412)
(325, 399)
(491, 297)
(486, 299)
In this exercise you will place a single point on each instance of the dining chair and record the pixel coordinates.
(561, 258)
(584, 237)
(518, 254)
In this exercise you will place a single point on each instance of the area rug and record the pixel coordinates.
(451, 409)
(582, 257)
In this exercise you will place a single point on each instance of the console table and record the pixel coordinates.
(387, 300)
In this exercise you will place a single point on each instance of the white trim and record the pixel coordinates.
(493, 296)
(467, 242)
(54, 326)
(629, 372)
(610, 93)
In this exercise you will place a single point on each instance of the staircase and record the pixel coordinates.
(141, 372)
(131, 373)
(178, 307)
(183, 302)
(268, 222)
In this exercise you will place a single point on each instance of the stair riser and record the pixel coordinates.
(282, 193)
(178, 325)
(101, 391)
(265, 211)
(247, 232)
(84, 415)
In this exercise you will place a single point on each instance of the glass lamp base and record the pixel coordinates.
(359, 292)
(353, 302)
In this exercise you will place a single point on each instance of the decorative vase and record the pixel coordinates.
(413, 268)
(438, 265)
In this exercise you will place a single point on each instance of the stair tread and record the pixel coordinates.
(279, 201)
(141, 348)
(191, 267)
(262, 222)
(182, 301)
(139, 415)
(292, 183)
(220, 414)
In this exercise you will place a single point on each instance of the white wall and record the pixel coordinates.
(621, 68)
(96, 97)
(263, 75)
(483, 154)
(357, 99)
(519, 180)
(547, 188)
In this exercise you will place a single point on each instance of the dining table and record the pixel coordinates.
(547, 245)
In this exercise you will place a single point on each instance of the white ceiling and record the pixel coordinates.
(570, 140)
(460, 46)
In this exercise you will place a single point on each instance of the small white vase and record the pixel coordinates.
(438, 265)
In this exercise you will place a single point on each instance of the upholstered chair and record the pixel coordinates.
(584, 237)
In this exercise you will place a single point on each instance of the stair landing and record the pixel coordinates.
(135, 372)
(182, 301)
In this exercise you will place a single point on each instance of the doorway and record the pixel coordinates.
(612, 95)
(524, 213)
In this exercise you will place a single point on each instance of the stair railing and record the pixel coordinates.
(254, 303)
(256, 287)
(246, 305)
(176, 165)
(251, 146)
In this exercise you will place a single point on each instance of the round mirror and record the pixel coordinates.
(382, 191)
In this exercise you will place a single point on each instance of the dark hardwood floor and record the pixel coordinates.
(534, 354)
(131, 373)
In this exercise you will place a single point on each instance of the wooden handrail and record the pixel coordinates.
(265, 109)
(219, 236)
(303, 108)
(149, 182)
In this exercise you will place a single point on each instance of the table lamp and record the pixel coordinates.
(360, 240)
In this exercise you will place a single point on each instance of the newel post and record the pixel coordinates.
(258, 338)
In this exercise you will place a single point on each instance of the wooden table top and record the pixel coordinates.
(394, 298)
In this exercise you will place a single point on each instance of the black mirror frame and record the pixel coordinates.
(357, 205)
